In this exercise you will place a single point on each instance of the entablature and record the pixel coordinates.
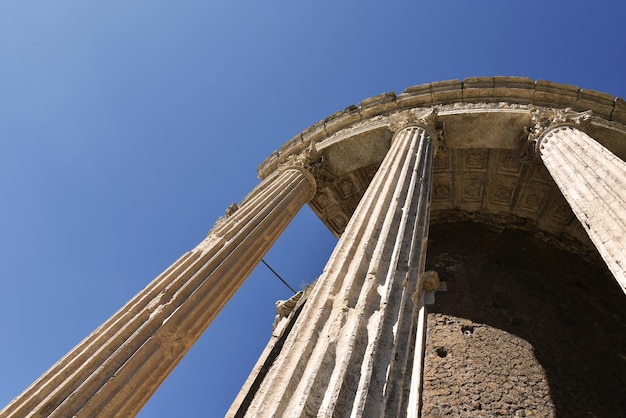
(482, 171)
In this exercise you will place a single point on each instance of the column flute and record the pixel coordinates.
(350, 350)
(592, 180)
(115, 370)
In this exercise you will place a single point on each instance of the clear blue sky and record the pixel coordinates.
(127, 127)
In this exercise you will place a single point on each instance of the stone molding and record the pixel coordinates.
(477, 90)
(498, 184)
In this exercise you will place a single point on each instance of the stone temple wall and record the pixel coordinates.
(523, 329)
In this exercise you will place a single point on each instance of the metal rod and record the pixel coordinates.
(281, 279)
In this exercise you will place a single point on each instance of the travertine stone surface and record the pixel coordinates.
(481, 176)
(593, 181)
(115, 370)
(377, 174)
(478, 90)
(350, 350)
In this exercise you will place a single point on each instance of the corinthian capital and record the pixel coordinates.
(426, 119)
(544, 119)
(311, 163)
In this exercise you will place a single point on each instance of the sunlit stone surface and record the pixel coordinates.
(521, 183)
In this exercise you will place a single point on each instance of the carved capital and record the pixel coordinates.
(543, 120)
(426, 119)
(311, 163)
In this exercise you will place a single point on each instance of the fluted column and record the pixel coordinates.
(349, 352)
(115, 370)
(593, 181)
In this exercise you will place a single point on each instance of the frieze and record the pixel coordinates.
(471, 174)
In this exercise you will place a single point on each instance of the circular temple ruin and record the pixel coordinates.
(479, 269)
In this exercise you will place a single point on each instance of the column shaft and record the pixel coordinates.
(417, 384)
(350, 350)
(116, 369)
(593, 181)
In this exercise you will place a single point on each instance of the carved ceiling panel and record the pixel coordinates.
(493, 186)
(483, 169)
(336, 201)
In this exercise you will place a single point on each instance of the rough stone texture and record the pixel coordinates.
(523, 330)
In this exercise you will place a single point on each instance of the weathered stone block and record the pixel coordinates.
(601, 104)
(553, 94)
(478, 90)
(619, 112)
(376, 105)
(514, 89)
(444, 91)
(315, 132)
(415, 96)
(342, 119)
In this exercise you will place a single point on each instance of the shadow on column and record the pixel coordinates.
(523, 330)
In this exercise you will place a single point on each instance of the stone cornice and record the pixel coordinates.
(505, 91)
(479, 126)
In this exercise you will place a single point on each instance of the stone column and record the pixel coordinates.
(115, 370)
(350, 350)
(593, 181)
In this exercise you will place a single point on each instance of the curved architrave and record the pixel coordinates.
(481, 174)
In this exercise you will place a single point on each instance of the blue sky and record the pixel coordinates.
(127, 128)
